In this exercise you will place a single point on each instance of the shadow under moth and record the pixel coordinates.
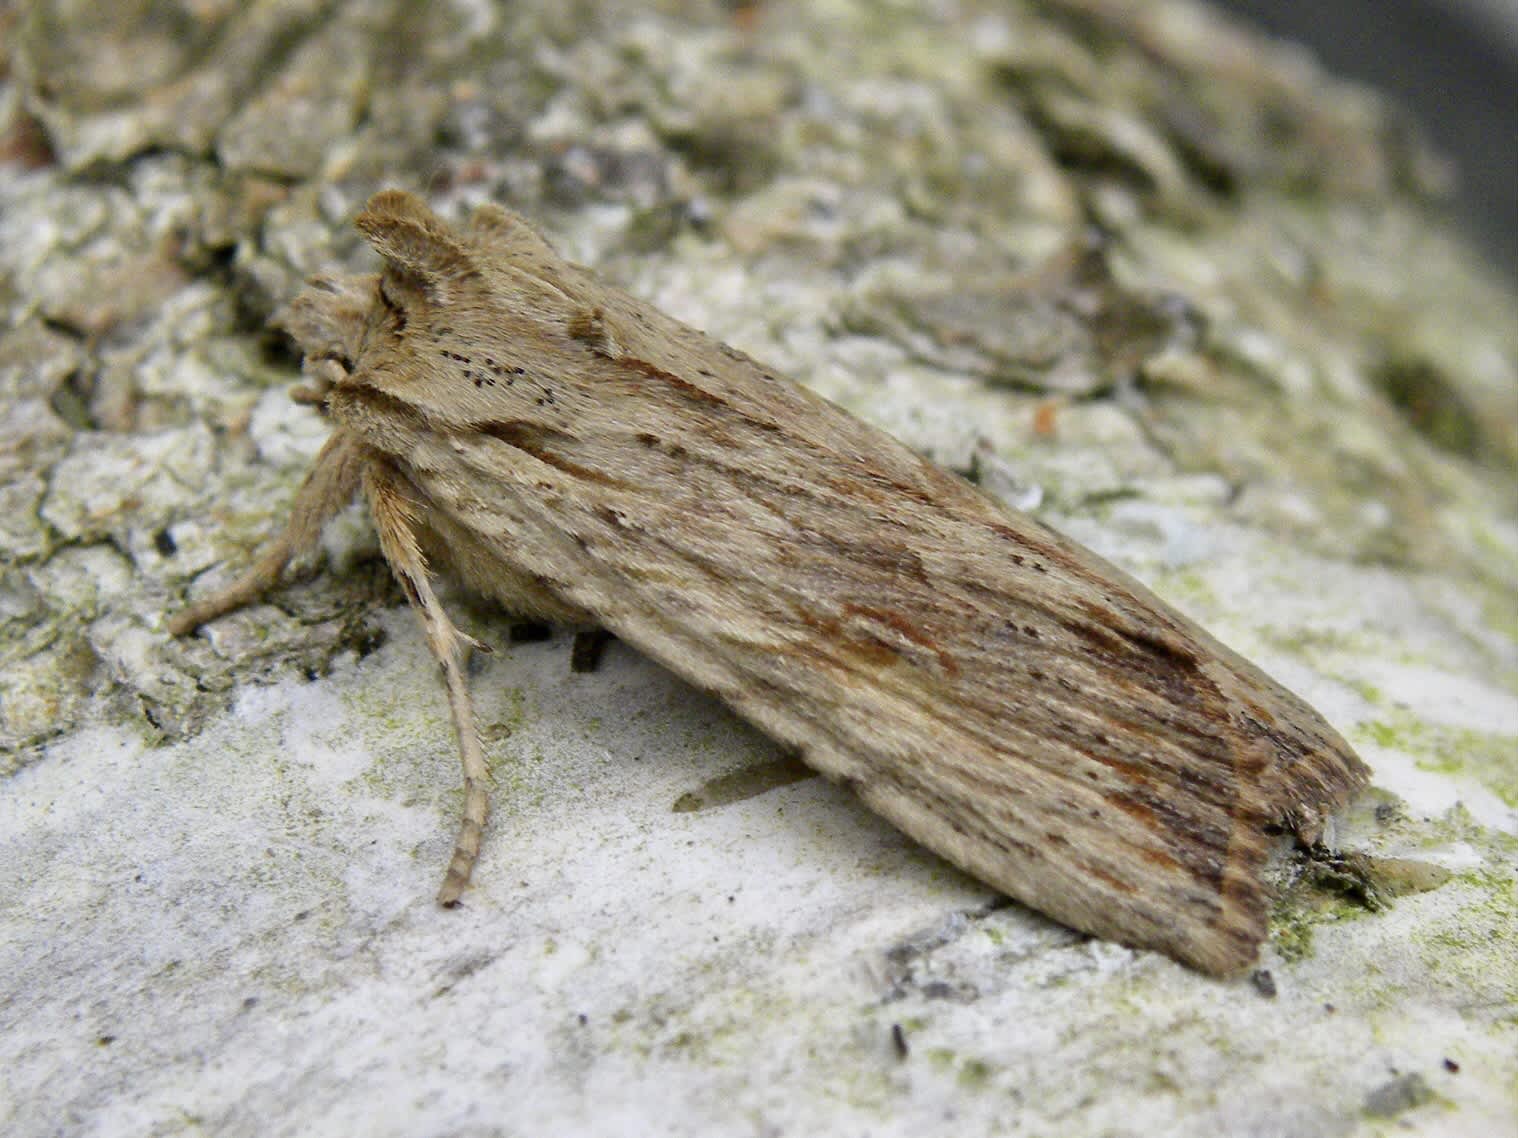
(1007, 698)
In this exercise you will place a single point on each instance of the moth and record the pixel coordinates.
(1006, 697)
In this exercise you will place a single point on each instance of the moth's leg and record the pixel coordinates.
(585, 653)
(330, 486)
(395, 516)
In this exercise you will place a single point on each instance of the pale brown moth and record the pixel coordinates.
(1006, 697)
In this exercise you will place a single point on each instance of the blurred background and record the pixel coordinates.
(1452, 63)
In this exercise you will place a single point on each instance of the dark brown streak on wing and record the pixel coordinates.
(865, 485)
(533, 439)
(1164, 661)
(1191, 710)
(536, 440)
(808, 542)
(907, 629)
(1153, 694)
(1187, 704)
(520, 433)
(1216, 924)
(870, 650)
(1185, 718)
(858, 481)
(1197, 839)
(689, 390)
(780, 497)
(1175, 673)
(965, 816)
(1195, 842)
(843, 644)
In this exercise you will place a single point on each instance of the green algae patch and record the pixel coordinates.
(969, 1073)
(1477, 941)
(1485, 757)
(1334, 887)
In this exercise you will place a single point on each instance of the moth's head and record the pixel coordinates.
(331, 321)
(492, 276)
(342, 323)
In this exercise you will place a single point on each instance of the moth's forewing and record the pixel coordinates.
(1003, 695)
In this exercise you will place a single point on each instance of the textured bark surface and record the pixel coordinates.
(1161, 282)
